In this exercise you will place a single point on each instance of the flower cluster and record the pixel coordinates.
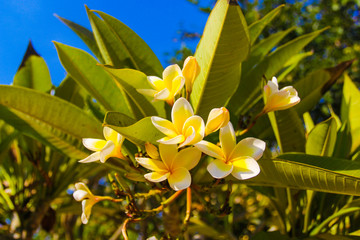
(183, 145)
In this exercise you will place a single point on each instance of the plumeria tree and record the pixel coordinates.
(171, 153)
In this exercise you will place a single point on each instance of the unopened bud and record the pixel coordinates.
(190, 71)
(218, 118)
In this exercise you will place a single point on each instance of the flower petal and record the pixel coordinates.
(93, 144)
(181, 111)
(164, 126)
(80, 195)
(86, 210)
(179, 179)
(157, 176)
(210, 149)
(151, 164)
(251, 147)
(191, 137)
(174, 140)
(110, 134)
(187, 158)
(107, 151)
(163, 94)
(156, 83)
(219, 169)
(91, 158)
(218, 118)
(177, 85)
(170, 73)
(147, 92)
(227, 139)
(168, 153)
(197, 123)
(245, 168)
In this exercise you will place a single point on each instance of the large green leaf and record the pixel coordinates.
(256, 28)
(249, 89)
(33, 72)
(49, 119)
(224, 45)
(139, 133)
(121, 47)
(292, 63)
(83, 68)
(288, 130)
(130, 80)
(350, 111)
(302, 171)
(314, 85)
(86, 35)
(259, 51)
(322, 138)
(134, 48)
(70, 91)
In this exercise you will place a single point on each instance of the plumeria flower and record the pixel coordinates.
(185, 128)
(82, 193)
(172, 165)
(238, 159)
(218, 118)
(190, 71)
(104, 149)
(167, 88)
(276, 99)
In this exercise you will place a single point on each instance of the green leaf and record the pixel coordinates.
(249, 89)
(260, 50)
(302, 171)
(322, 138)
(82, 67)
(224, 45)
(314, 85)
(130, 80)
(70, 91)
(350, 111)
(309, 123)
(51, 120)
(139, 133)
(33, 72)
(343, 142)
(128, 43)
(288, 129)
(256, 28)
(85, 34)
(293, 63)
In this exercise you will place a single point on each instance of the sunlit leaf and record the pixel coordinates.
(224, 45)
(49, 119)
(322, 138)
(33, 72)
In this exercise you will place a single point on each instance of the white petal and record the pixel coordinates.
(175, 140)
(162, 95)
(107, 151)
(110, 134)
(181, 111)
(227, 139)
(151, 164)
(147, 92)
(180, 179)
(93, 144)
(210, 149)
(251, 147)
(219, 169)
(157, 176)
(245, 168)
(91, 158)
(164, 126)
(80, 195)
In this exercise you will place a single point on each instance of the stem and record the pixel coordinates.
(188, 206)
(166, 202)
(291, 211)
(251, 124)
(124, 227)
(310, 197)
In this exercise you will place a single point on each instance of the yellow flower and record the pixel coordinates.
(104, 149)
(82, 193)
(173, 166)
(167, 88)
(190, 71)
(276, 99)
(238, 159)
(218, 118)
(185, 128)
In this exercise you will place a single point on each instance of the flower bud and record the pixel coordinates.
(276, 99)
(190, 71)
(218, 118)
(152, 151)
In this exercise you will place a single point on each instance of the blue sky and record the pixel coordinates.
(157, 22)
